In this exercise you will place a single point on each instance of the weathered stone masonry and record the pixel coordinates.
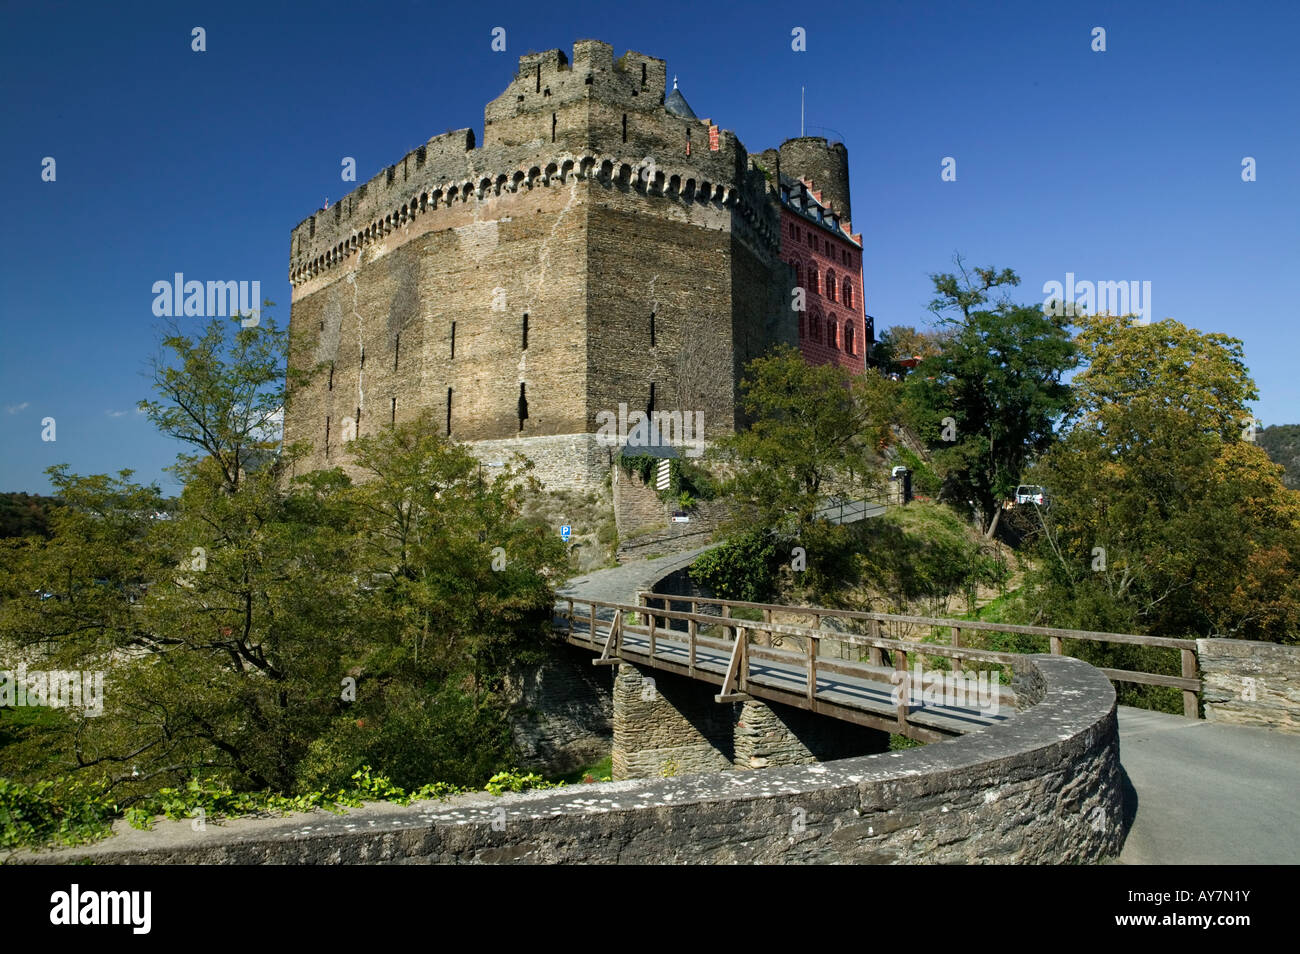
(1041, 788)
(1250, 683)
(512, 290)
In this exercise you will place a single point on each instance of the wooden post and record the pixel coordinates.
(569, 617)
(1190, 706)
(743, 635)
(1056, 645)
(591, 630)
(767, 618)
(691, 630)
(812, 670)
(873, 627)
(653, 620)
(900, 664)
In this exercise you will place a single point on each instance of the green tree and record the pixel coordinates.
(276, 631)
(990, 401)
(812, 431)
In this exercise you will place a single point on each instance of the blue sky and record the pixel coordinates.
(1122, 165)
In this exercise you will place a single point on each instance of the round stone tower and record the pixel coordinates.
(825, 164)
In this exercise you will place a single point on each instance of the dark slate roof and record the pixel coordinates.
(677, 105)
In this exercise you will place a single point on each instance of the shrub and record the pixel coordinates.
(743, 568)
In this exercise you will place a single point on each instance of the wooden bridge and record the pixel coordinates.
(860, 678)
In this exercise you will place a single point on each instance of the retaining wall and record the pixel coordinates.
(1043, 787)
(1250, 683)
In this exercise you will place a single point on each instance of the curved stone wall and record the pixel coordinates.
(1043, 787)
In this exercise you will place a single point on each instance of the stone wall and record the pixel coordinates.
(769, 734)
(569, 461)
(666, 725)
(644, 521)
(563, 715)
(1042, 788)
(1250, 683)
(594, 251)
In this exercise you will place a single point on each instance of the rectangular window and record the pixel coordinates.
(625, 127)
(552, 127)
(523, 404)
(393, 418)
(650, 408)
(327, 437)
(449, 412)
(525, 331)
(453, 339)
(397, 346)
(331, 382)
(652, 329)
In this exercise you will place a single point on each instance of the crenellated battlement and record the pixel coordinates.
(587, 117)
(682, 183)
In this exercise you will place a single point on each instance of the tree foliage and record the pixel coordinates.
(1164, 519)
(278, 632)
(812, 430)
(989, 402)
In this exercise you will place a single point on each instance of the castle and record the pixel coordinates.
(603, 246)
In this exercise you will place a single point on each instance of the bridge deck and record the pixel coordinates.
(861, 695)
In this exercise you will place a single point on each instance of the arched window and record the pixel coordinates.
(832, 335)
(816, 328)
(813, 285)
(830, 284)
(848, 339)
(848, 293)
(798, 275)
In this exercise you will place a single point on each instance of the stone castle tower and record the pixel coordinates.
(602, 246)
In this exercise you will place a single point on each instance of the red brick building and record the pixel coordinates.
(834, 327)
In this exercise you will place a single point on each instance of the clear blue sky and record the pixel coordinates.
(1122, 165)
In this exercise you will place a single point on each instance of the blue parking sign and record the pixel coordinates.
(564, 532)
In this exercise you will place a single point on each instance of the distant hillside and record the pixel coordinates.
(25, 515)
(1282, 442)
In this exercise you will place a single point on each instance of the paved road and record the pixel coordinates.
(620, 584)
(1208, 793)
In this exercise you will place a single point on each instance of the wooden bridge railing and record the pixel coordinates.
(1189, 682)
(743, 642)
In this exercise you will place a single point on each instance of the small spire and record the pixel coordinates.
(674, 81)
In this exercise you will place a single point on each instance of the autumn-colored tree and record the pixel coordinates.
(1164, 517)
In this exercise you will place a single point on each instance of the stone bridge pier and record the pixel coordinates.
(666, 725)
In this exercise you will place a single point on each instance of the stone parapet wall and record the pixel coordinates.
(1250, 683)
(1042, 788)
